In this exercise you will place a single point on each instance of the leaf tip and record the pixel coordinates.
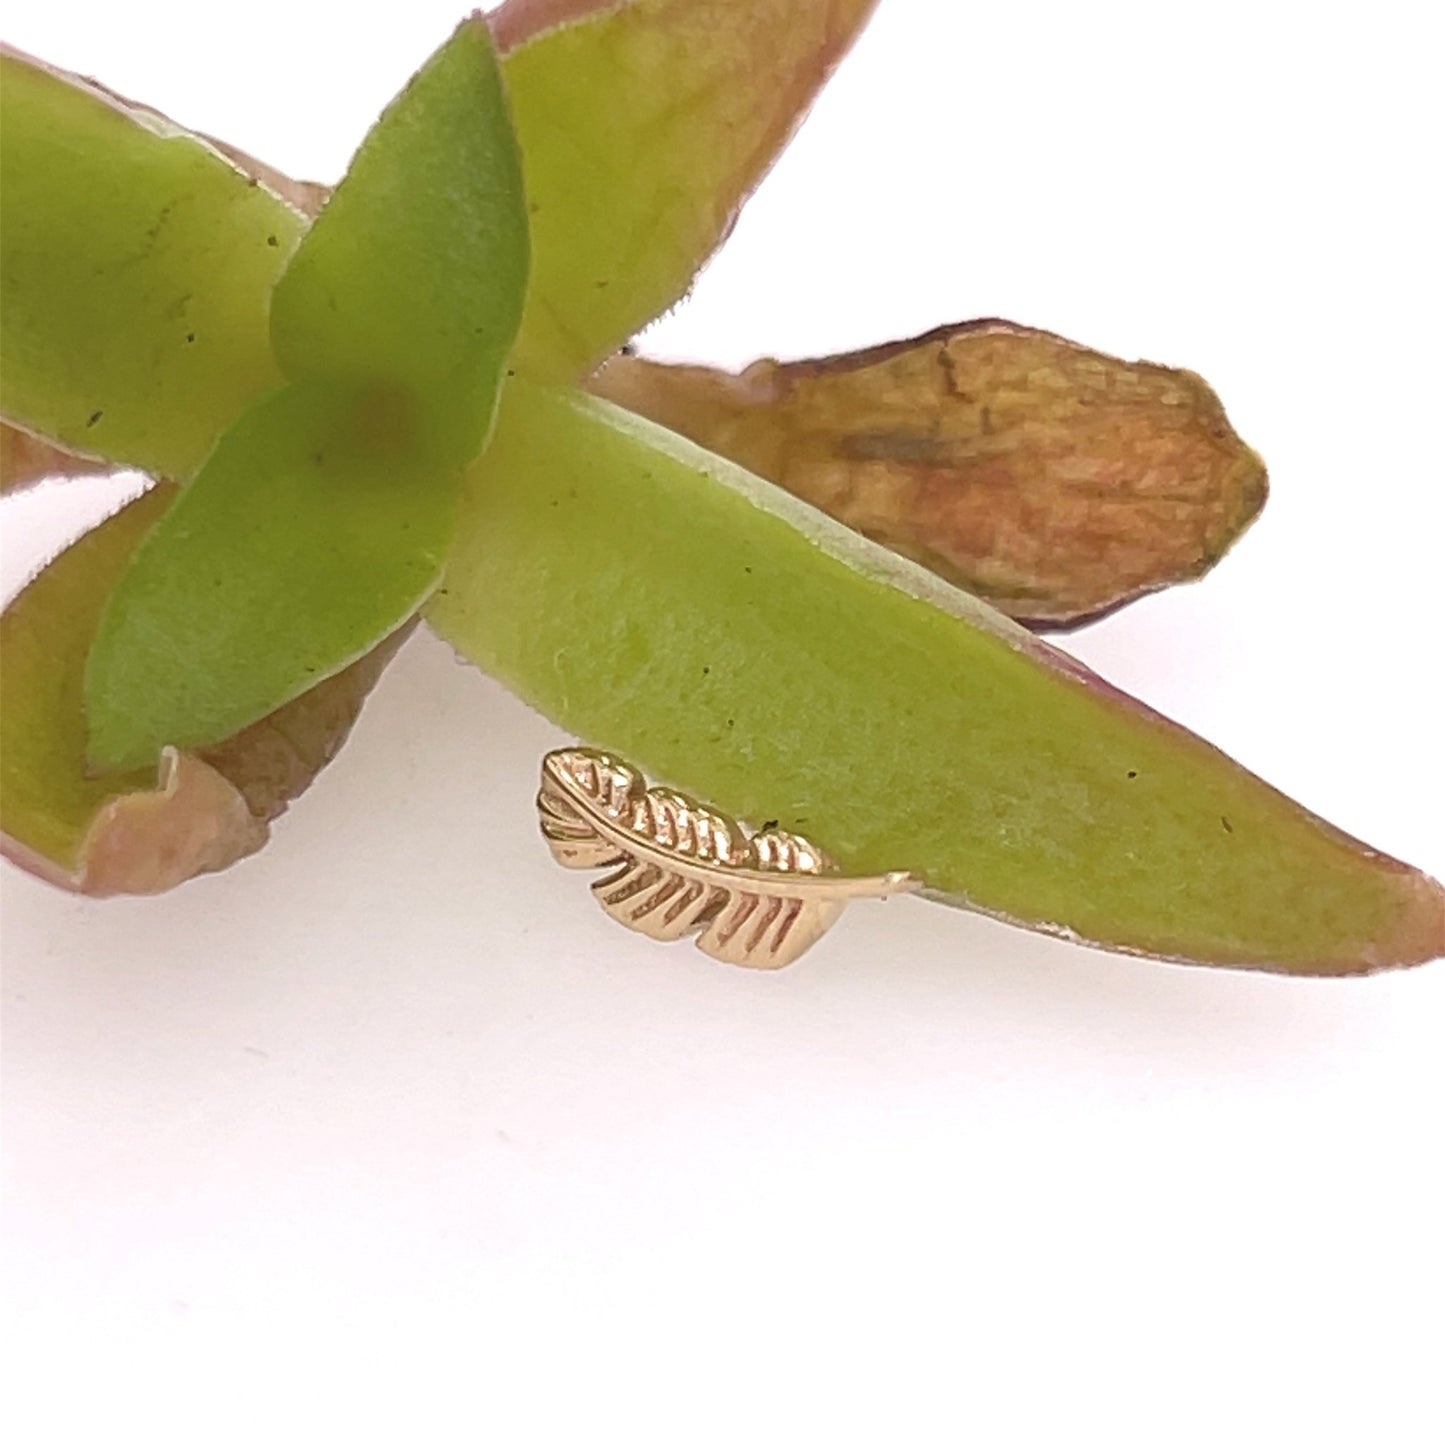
(1417, 932)
(196, 822)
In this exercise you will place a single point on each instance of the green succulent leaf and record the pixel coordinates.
(136, 263)
(320, 521)
(731, 641)
(47, 802)
(301, 543)
(414, 274)
(148, 830)
(644, 128)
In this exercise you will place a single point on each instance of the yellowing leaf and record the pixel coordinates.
(643, 129)
(1053, 481)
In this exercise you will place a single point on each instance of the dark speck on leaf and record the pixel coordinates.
(1228, 826)
(730, 722)
(771, 823)
(95, 416)
(601, 285)
(272, 241)
(190, 336)
(706, 670)
(1132, 773)
(748, 570)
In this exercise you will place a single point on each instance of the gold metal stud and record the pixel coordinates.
(681, 868)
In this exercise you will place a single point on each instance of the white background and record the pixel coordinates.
(389, 1134)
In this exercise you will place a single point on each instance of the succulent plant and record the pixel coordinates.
(414, 397)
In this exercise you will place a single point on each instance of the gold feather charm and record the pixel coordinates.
(681, 868)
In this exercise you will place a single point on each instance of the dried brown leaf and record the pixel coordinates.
(1051, 480)
(274, 760)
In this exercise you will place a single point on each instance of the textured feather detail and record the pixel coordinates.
(679, 868)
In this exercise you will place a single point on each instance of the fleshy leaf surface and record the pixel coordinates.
(303, 541)
(1051, 480)
(679, 612)
(643, 129)
(147, 830)
(136, 262)
(320, 522)
(413, 276)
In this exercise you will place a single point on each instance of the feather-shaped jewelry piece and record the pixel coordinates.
(680, 868)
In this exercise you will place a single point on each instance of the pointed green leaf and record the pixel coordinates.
(413, 275)
(136, 264)
(644, 128)
(304, 540)
(320, 521)
(734, 642)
